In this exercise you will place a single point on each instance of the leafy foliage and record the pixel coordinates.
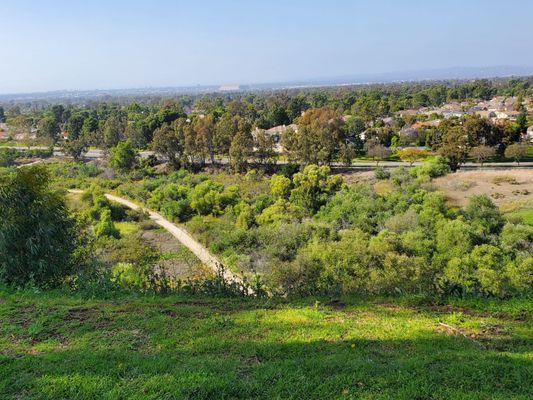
(39, 240)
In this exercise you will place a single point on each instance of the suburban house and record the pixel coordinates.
(529, 134)
(510, 114)
(276, 132)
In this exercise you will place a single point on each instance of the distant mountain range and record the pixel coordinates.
(455, 73)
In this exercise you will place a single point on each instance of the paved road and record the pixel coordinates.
(93, 154)
(184, 237)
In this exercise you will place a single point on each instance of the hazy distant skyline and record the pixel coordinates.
(55, 45)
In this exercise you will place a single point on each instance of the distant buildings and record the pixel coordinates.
(230, 88)
(498, 108)
(275, 133)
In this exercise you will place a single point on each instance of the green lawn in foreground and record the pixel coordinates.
(57, 347)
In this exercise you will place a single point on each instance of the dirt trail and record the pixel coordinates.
(203, 254)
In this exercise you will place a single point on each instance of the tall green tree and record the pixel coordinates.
(49, 129)
(123, 156)
(169, 141)
(320, 134)
(454, 146)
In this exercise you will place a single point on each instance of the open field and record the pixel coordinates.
(502, 186)
(56, 346)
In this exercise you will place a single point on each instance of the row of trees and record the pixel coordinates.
(232, 126)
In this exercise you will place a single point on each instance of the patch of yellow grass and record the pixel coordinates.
(383, 187)
(127, 228)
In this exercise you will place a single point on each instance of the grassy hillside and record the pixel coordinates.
(55, 346)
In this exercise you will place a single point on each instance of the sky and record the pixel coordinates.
(112, 44)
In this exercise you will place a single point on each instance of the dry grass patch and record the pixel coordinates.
(502, 187)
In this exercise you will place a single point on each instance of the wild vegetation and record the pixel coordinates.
(349, 284)
(308, 233)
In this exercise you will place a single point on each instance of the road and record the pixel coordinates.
(184, 237)
(93, 154)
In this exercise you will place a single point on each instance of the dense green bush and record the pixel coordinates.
(381, 173)
(7, 157)
(40, 242)
(105, 226)
(433, 168)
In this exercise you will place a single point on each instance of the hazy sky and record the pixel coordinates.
(75, 44)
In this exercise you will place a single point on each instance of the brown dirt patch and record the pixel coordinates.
(501, 186)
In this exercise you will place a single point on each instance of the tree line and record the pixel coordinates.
(333, 124)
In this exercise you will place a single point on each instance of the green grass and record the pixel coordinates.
(127, 228)
(525, 215)
(54, 346)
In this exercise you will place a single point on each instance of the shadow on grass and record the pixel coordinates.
(439, 367)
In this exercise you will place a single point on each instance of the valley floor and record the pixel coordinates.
(56, 346)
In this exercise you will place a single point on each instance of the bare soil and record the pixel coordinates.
(501, 186)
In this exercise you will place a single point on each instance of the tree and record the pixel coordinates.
(74, 125)
(264, 147)
(454, 146)
(347, 153)
(289, 143)
(240, 150)
(204, 129)
(516, 151)
(225, 130)
(39, 240)
(123, 156)
(479, 131)
(193, 146)
(412, 154)
(59, 113)
(169, 141)
(2, 114)
(90, 126)
(49, 129)
(354, 130)
(313, 186)
(521, 122)
(113, 131)
(75, 147)
(376, 150)
(482, 152)
(320, 134)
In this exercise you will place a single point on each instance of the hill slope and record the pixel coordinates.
(58, 347)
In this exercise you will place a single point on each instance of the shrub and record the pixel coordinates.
(280, 186)
(177, 210)
(313, 187)
(105, 226)
(484, 216)
(520, 274)
(7, 157)
(245, 218)
(130, 276)
(434, 168)
(40, 243)
(280, 211)
(381, 173)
